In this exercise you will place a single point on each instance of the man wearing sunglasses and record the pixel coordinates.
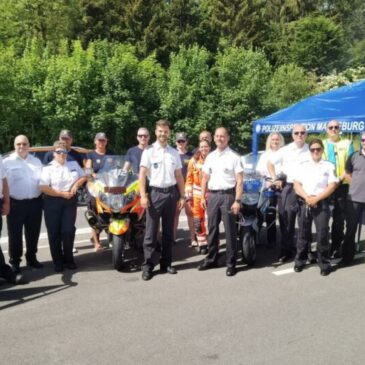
(290, 158)
(23, 172)
(337, 150)
(134, 154)
(355, 205)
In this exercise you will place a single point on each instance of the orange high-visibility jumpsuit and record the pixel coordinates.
(193, 188)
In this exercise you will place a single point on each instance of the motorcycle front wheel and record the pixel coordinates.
(118, 246)
(247, 241)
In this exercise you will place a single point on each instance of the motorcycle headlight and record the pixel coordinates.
(116, 202)
(103, 198)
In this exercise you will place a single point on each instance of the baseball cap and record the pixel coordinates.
(100, 135)
(181, 136)
(65, 133)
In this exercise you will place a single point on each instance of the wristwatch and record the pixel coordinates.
(238, 201)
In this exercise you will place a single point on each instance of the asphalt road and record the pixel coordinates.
(264, 315)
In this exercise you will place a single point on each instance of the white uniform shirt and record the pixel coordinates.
(290, 157)
(161, 162)
(267, 156)
(2, 176)
(23, 176)
(222, 167)
(61, 177)
(315, 176)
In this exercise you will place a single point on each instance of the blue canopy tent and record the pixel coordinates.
(345, 104)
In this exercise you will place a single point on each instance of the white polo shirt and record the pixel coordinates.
(290, 157)
(23, 176)
(222, 167)
(261, 167)
(2, 176)
(315, 176)
(61, 177)
(161, 162)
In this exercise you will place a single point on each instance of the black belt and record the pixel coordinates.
(223, 191)
(163, 190)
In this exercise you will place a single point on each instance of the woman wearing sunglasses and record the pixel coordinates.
(59, 182)
(314, 183)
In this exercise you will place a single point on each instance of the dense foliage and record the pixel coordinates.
(111, 65)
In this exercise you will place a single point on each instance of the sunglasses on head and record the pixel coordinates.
(299, 133)
(331, 127)
(316, 149)
(142, 135)
(61, 152)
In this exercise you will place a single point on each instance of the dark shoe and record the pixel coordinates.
(325, 272)
(336, 254)
(284, 258)
(20, 280)
(298, 268)
(15, 268)
(147, 275)
(206, 265)
(203, 251)
(231, 271)
(71, 266)
(35, 264)
(58, 268)
(168, 269)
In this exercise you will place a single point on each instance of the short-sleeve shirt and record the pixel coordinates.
(71, 156)
(23, 176)
(161, 162)
(2, 176)
(185, 158)
(61, 177)
(315, 176)
(98, 159)
(355, 165)
(134, 155)
(261, 167)
(290, 157)
(222, 167)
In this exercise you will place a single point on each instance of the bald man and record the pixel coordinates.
(23, 172)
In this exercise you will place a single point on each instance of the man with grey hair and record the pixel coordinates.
(289, 157)
(23, 172)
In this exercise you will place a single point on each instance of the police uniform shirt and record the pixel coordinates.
(23, 176)
(290, 157)
(161, 162)
(315, 176)
(222, 167)
(2, 176)
(61, 177)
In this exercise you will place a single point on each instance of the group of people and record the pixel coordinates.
(313, 182)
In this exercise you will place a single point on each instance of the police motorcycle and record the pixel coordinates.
(248, 219)
(118, 210)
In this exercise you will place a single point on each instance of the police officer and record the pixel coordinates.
(223, 175)
(23, 172)
(162, 164)
(337, 150)
(355, 204)
(289, 157)
(314, 182)
(59, 182)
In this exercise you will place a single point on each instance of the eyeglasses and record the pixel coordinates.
(315, 149)
(180, 141)
(300, 133)
(331, 127)
(22, 144)
(61, 152)
(142, 135)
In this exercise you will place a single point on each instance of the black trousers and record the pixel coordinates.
(162, 205)
(288, 208)
(5, 270)
(60, 218)
(25, 213)
(339, 198)
(353, 214)
(219, 209)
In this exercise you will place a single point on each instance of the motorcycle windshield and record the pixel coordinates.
(117, 173)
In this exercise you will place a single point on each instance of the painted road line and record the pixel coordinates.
(291, 269)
